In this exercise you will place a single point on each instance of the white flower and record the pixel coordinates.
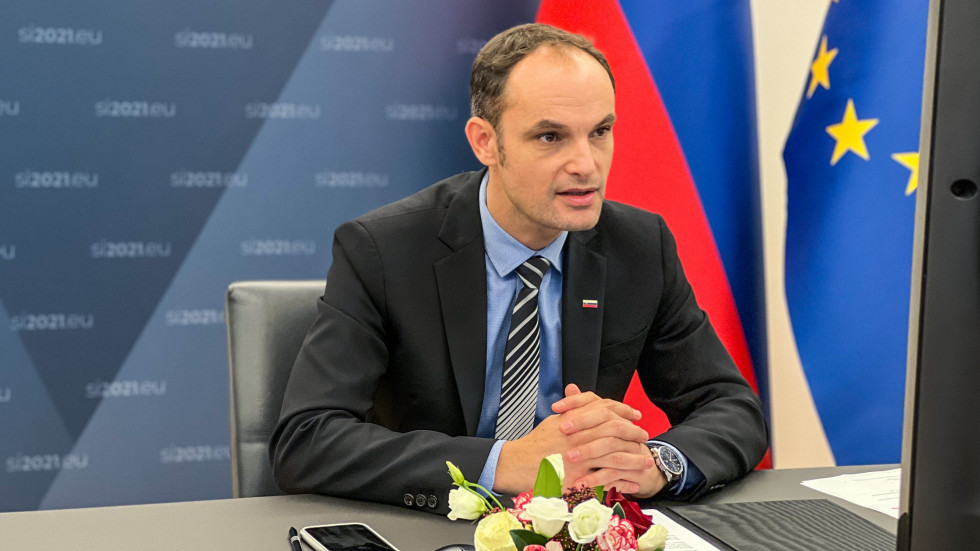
(654, 539)
(548, 515)
(559, 465)
(465, 504)
(589, 520)
(493, 532)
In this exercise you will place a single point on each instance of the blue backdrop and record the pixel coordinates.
(152, 153)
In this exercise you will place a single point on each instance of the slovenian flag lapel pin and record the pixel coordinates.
(590, 303)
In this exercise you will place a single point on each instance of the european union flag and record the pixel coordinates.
(852, 164)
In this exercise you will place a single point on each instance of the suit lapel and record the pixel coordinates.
(584, 279)
(462, 281)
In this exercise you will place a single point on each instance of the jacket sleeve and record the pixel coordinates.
(325, 441)
(717, 419)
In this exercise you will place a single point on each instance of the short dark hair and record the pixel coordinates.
(501, 53)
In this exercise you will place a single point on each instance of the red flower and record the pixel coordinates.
(618, 537)
(550, 546)
(520, 502)
(641, 522)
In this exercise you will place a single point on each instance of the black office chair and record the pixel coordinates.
(267, 321)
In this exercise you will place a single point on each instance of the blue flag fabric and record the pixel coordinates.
(852, 162)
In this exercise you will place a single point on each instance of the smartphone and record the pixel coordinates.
(345, 537)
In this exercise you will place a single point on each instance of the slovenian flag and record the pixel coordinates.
(852, 164)
(686, 148)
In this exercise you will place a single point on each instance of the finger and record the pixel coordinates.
(617, 428)
(611, 452)
(570, 402)
(594, 414)
(597, 448)
(630, 459)
(626, 482)
(571, 389)
(623, 486)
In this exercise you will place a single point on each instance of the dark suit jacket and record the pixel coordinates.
(389, 383)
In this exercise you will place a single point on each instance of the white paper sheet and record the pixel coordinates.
(679, 538)
(876, 490)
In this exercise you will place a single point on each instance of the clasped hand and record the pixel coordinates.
(598, 440)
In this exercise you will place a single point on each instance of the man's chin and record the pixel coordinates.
(582, 220)
(580, 224)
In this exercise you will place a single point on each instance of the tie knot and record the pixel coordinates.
(533, 270)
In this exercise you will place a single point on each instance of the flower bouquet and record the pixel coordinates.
(546, 519)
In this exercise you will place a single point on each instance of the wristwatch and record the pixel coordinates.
(668, 463)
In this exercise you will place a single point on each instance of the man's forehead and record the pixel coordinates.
(556, 87)
(547, 56)
(560, 62)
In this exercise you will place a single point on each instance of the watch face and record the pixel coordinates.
(670, 461)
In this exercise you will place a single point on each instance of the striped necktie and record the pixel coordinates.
(522, 358)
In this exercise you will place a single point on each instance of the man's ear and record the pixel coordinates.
(483, 140)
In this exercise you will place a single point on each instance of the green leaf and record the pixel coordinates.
(618, 510)
(547, 484)
(599, 490)
(523, 538)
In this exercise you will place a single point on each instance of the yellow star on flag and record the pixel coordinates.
(911, 162)
(849, 134)
(820, 68)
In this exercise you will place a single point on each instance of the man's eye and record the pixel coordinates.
(600, 132)
(548, 137)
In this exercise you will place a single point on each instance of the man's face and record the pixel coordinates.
(555, 146)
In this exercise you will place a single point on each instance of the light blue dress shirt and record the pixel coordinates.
(504, 254)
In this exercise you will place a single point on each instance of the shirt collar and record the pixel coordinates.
(505, 252)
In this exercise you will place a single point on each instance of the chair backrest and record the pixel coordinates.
(267, 322)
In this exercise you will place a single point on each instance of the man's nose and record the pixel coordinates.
(581, 158)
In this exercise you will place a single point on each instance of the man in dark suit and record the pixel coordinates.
(495, 317)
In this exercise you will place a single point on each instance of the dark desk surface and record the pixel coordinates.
(262, 522)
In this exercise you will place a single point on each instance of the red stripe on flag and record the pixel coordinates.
(649, 171)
